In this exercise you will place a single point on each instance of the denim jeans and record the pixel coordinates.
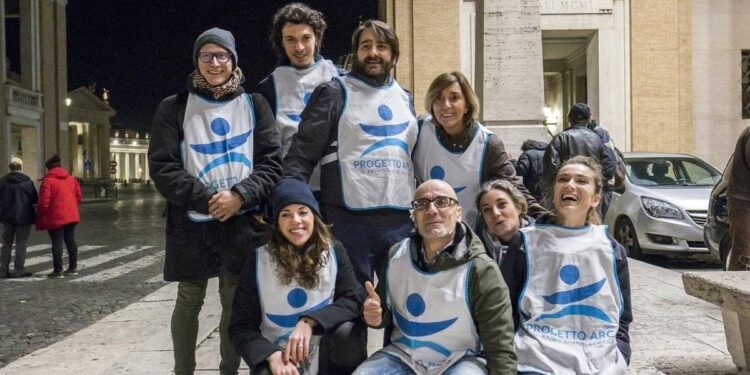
(382, 363)
(21, 234)
(190, 297)
(65, 234)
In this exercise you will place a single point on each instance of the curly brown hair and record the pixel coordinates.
(296, 13)
(302, 266)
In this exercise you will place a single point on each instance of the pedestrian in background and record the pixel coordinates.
(59, 196)
(738, 200)
(529, 167)
(294, 290)
(17, 199)
(215, 155)
(454, 147)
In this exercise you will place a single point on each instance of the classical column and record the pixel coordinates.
(509, 70)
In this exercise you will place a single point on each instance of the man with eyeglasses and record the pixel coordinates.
(362, 130)
(215, 155)
(447, 298)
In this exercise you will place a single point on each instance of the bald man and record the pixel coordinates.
(429, 279)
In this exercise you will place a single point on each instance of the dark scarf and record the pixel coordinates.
(218, 92)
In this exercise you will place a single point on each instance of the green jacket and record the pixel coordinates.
(489, 299)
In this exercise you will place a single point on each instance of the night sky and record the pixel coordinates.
(141, 50)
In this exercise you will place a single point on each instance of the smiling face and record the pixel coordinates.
(296, 223)
(374, 56)
(299, 44)
(215, 73)
(450, 108)
(436, 225)
(501, 216)
(575, 194)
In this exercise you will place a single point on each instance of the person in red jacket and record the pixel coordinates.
(57, 213)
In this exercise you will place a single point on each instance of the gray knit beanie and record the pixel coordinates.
(219, 37)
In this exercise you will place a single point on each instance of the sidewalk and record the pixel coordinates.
(672, 333)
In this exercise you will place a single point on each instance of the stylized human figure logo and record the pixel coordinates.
(296, 298)
(438, 173)
(416, 306)
(386, 131)
(570, 274)
(297, 117)
(220, 126)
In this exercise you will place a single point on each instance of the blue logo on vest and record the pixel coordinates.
(570, 274)
(220, 126)
(386, 131)
(438, 173)
(416, 306)
(296, 298)
(297, 117)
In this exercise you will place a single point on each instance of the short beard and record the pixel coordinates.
(381, 78)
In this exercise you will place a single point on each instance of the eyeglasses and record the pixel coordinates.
(207, 57)
(439, 202)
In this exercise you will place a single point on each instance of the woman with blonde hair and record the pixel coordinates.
(293, 290)
(454, 147)
(574, 307)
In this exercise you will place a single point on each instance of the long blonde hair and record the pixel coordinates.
(301, 265)
(593, 215)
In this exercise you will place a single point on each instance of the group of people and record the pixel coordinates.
(325, 207)
(54, 209)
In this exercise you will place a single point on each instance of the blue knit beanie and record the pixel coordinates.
(217, 36)
(290, 191)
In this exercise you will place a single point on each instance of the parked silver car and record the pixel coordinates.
(663, 204)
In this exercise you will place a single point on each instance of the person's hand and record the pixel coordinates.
(278, 366)
(372, 312)
(298, 346)
(224, 204)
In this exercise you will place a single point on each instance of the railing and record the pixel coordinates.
(23, 97)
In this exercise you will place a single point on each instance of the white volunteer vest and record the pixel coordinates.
(571, 304)
(217, 145)
(433, 327)
(293, 88)
(282, 305)
(462, 170)
(376, 136)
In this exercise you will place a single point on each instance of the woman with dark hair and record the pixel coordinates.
(298, 287)
(57, 213)
(454, 147)
(502, 211)
(574, 307)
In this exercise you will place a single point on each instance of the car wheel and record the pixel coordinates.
(625, 235)
(724, 248)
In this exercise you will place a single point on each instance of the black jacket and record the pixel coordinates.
(529, 166)
(17, 199)
(576, 140)
(198, 250)
(247, 313)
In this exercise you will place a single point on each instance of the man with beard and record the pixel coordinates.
(362, 130)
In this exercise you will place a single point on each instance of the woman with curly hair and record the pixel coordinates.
(293, 290)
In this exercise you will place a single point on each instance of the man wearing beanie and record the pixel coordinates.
(362, 130)
(215, 155)
(577, 139)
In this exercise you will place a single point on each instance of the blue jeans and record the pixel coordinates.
(382, 363)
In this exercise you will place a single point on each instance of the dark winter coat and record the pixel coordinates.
(576, 140)
(17, 199)
(529, 166)
(59, 197)
(199, 250)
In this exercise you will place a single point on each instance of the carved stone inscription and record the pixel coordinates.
(576, 6)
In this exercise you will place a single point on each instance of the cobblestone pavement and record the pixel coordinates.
(120, 261)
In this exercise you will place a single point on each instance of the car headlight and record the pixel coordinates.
(660, 208)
